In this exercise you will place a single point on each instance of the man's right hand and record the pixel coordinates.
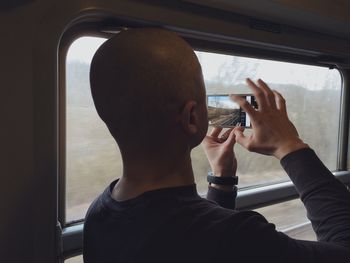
(272, 132)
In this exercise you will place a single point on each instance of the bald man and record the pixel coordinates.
(148, 88)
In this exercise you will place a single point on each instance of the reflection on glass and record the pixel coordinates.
(93, 159)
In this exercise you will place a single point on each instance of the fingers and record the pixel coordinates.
(228, 137)
(267, 98)
(214, 136)
(215, 132)
(280, 102)
(264, 95)
(244, 105)
(226, 134)
(240, 137)
(239, 128)
(258, 93)
(269, 95)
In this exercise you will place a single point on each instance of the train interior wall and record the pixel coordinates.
(30, 36)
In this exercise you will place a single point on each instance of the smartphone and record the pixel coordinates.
(224, 112)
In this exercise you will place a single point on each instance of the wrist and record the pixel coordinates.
(226, 188)
(289, 147)
(223, 173)
(224, 183)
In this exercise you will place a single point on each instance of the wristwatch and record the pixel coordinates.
(221, 180)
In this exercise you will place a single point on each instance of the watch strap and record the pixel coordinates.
(220, 180)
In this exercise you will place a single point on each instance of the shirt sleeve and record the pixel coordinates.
(252, 239)
(326, 199)
(226, 199)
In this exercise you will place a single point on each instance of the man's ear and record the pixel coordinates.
(190, 117)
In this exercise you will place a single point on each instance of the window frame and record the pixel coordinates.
(70, 233)
(69, 37)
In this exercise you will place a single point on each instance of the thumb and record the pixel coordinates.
(231, 139)
(240, 137)
(206, 140)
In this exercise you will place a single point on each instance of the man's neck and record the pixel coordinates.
(143, 176)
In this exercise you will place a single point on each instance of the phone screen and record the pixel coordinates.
(225, 113)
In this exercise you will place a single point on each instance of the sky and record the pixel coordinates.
(310, 77)
(222, 101)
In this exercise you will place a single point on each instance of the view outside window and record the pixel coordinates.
(312, 95)
(288, 216)
(77, 259)
(93, 159)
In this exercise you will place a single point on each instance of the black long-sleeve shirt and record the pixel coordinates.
(177, 225)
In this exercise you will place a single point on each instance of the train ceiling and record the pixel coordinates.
(325, 16)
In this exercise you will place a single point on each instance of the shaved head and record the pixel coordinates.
(140, 81)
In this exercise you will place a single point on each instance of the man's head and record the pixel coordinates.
(148, 88)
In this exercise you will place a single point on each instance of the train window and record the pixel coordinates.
(92, 156)
(296, 224)
(77, 259)
(313, 97)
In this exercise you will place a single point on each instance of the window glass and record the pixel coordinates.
(289, 216)
(77, 259)
(313, 97)
(92, 156)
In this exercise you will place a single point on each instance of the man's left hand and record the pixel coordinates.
(219, 151)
